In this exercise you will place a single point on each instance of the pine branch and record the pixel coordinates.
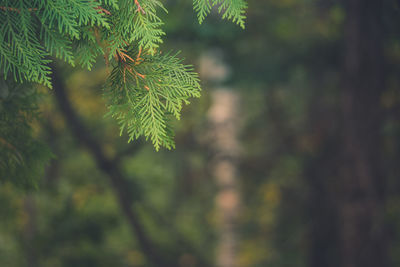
(22, 156)
(145, 92)
(203, 8)
(233, 10)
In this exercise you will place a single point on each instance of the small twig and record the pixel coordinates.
(5, 8)
(123, 55)
(139, 7)
(103, 10)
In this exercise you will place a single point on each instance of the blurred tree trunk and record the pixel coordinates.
(322, 226)
(320, 175)
(30, 229)
(224, 143)
(223, 116)
(361, 178)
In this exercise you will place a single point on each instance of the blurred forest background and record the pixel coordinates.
(289, 158)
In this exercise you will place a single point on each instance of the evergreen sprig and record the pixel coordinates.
(233, 10)
(144, 89)
(22, 156)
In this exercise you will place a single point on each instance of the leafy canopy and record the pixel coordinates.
(144, 88)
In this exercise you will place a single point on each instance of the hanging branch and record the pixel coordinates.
(108, 166)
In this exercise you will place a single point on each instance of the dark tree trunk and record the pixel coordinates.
(322, 224)
(361, 179)
(321, 174)
(29, 232)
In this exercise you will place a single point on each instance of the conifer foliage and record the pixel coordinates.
(22, 157)
(230, 9)
(146, 88)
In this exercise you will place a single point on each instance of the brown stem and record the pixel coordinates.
(5, 8)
